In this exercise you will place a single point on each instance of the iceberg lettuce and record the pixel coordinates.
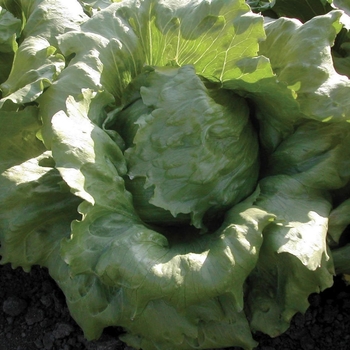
(181, 168)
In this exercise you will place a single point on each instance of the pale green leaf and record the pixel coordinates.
(294, 260)
(155, 274)
(300, 55)
(36, 209)
(196, 147)
(315, 148)
(35, 67)
(50, 18)
(19, 142)
(88, 159)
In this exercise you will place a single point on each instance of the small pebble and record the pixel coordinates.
(14, 306)
(62, 330)
(34, 315)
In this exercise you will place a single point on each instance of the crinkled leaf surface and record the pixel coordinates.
(301, 217)
(315, 148)
(136, 264)
(49, 18)
(88, 159)
(300, 55)
(69, 209)
(158, 34)
(197, 148)
(19, 142)
(295, 242)
(139, 265)
(37, 63)
(35, 66)
(36, 209)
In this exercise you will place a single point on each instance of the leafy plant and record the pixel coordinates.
(180, 167)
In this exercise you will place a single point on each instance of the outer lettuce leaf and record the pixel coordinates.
(13, 7)
(158, 34)
(301, 57)
(301, 218)
(77, 77)
(35, 66)
(315, 148)
(152, 276)
(89, 160)
(36, 63)
(342, 5)
(46, 18)
(19, 142)
(36, 209)
(295, 242)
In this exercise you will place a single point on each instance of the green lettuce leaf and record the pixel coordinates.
(128, 257)
(171, 274)
(36, 209)
(295, 242)
(88, 159)
(19, 141)
(196, 147)
(46, 18)
(159, 34)
(36, 64)
(91, 102)
(261, 5)
(315, 148)
(300, 55)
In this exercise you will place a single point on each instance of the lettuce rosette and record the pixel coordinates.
(178, 166)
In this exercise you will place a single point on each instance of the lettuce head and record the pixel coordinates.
(181, 168)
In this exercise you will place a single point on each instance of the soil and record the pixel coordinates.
(34, 316)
